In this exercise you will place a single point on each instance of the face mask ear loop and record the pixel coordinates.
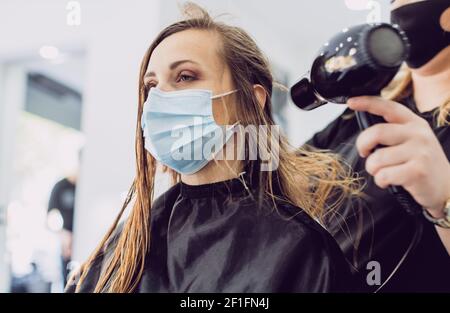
(224, 95)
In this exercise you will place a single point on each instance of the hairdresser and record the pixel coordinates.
(379, 238)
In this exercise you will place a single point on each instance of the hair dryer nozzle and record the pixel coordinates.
(304, 95)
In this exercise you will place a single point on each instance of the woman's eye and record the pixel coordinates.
(186, 78)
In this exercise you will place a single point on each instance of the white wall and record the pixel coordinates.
(12, 92)
(116, 45)
(4, 195)
(110, 118)
(114, 35)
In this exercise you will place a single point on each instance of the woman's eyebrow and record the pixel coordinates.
(178, 63)
(172, 67)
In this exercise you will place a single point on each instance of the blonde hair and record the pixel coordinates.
(402, 87)
(315, 181)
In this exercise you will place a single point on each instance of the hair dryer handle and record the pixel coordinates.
(404, 198)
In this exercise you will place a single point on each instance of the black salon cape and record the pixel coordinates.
(379, 229)
(217, 238)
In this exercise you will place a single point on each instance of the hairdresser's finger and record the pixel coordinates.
(387, 157)
(381, 134)
(391, 111)
(398, 175)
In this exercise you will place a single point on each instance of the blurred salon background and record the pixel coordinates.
(68, 99)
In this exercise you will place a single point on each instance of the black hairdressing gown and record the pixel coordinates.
(218, 238)
(379, 229)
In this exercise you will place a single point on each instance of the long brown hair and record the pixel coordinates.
(307, 179)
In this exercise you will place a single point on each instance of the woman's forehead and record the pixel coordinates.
(200, 46)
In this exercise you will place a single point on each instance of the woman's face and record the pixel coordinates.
(190, 60)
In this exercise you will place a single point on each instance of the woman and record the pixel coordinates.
(227, 225)
(412, 254)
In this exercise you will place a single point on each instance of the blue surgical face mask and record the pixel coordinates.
(180, 131)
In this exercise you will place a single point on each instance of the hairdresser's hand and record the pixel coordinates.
(413, 157)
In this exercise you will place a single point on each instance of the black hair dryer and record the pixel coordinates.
(359, 61)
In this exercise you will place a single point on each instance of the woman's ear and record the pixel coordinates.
(261, 95)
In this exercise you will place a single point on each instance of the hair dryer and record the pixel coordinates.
(359, 61)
